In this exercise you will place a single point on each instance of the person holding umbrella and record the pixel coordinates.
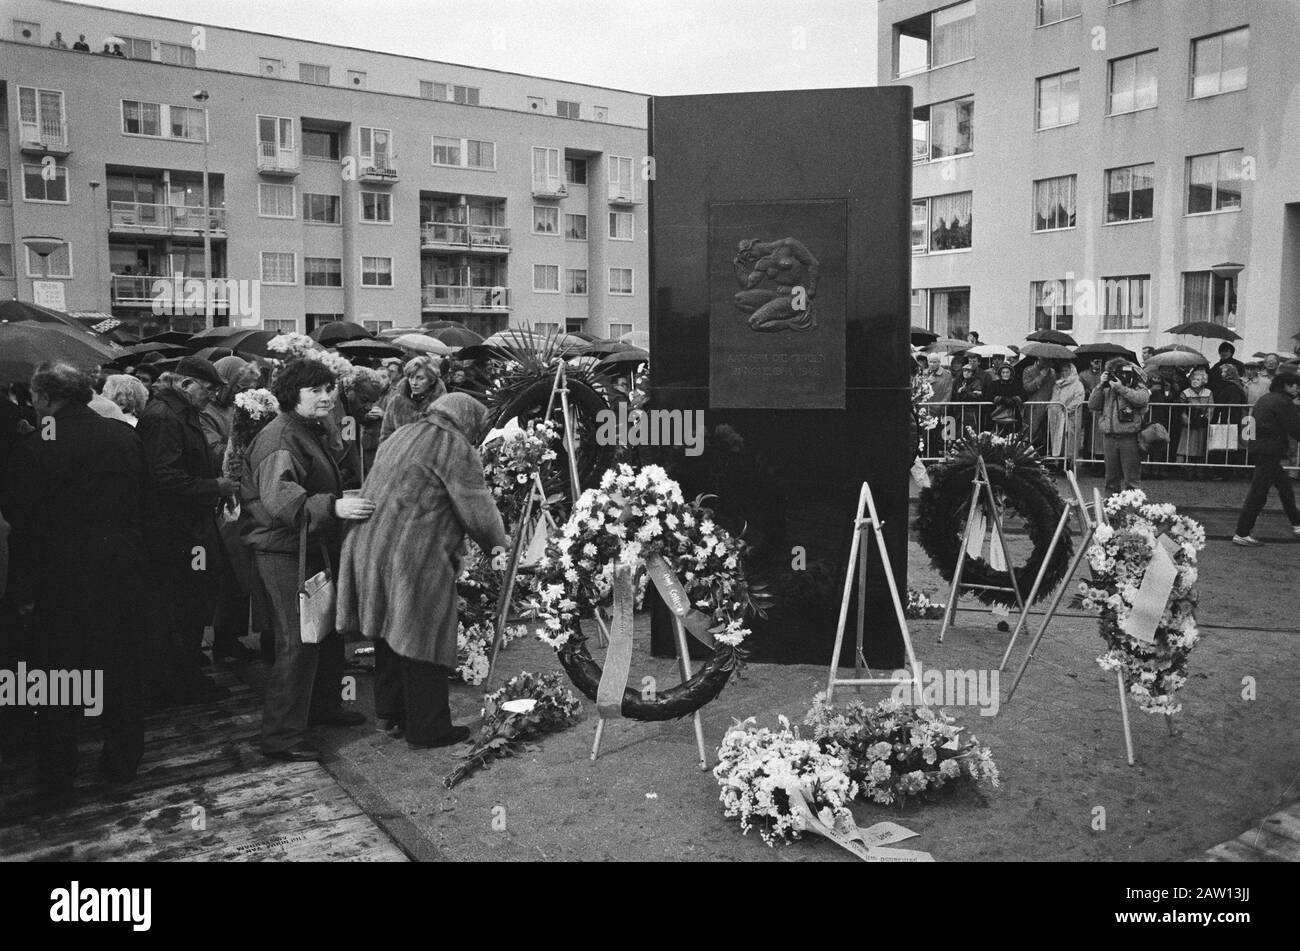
(1120, 400)
(1276, 421)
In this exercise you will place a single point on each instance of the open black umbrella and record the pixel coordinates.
(603, 348)
(1047, 351)
(1106, 351)
(623, 361)
(1052, 336)
(368, 348)
(921, 336)
(213, 354)
(337, 331)
(169, 336)
(26, 345)
(253, 344)
(455, 336)
(1204, 328)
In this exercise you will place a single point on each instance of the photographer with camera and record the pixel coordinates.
(1119, 401)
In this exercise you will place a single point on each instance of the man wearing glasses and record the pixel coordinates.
(180, 522)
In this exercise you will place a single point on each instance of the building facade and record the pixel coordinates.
(1137, 165)
(345, 184)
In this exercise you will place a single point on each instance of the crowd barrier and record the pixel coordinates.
(1214, 437)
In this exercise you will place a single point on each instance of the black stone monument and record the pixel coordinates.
(780, 259)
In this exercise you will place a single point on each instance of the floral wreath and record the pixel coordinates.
(1119, 556)
(1016, 471)
(632, 517)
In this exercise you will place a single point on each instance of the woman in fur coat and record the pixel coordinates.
(420, 387)
(1063, 420)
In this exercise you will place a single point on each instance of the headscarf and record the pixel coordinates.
(466, 415)
(228, 368)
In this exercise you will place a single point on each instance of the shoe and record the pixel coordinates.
(341, 718)
(391, 726)
(298, 753)
(235, 651)
(1247, 541)
(458, 734)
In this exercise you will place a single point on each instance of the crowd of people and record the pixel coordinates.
(131, 532)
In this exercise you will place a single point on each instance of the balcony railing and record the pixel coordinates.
(463, 237)
(462, 297)
(377, 168)
(274, 160)
(489, 238)
(549, 187)
(163, 289)
(623, 193)
(45, 135)
(135, 217)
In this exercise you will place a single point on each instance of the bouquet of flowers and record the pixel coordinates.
(633, 515)
(922, 394)
(1119, 556)
(474, 648)
(293, 345)
(894, 751)
(527, 707)
(253, 410)
(510, 463)
(764, 773)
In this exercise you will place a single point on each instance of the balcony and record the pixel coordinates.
(453, 236)
(625, 193)
(377, 169)
(277, 161)
(46, 137)
(550, 187)
(165, 293)
(132, 217)
(464, 298)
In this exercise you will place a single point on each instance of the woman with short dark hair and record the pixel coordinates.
(294, 511)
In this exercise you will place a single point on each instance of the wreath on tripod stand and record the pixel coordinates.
(1022, 486)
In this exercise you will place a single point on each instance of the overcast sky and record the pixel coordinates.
(662, 47)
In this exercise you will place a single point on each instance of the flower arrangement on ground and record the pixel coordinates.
(919, 607)
(1120, 554)
(763, 774)
(893, 752)
(529, 706)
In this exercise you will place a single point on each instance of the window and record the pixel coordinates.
(920, 316)
(949, 222)
(1214, 182)
(376, 272)
(4, 184)
(620, 280)
(321, 209)
(377, 326)
(567, 110)
(311, 73)
(935, 39)
(57, 264)
(575, 281)
(1206, 296)
(621, 181)
(1054, 11)
(357, 79)
(279, 267)
(1058, 100)
(1132, 83)
(465, 95)
(376, 147)
(40, 115)
(1054, 203)
(322, 272)
(620, 225)
(1130, 193)
(920, 225)
(575, 227)
(274, 201)
(274, 134)
(38, 187)
(619, 330)
(546, 168)
(176, 54)
(546, 220)
(1053, 303)
(943, 129)
(6, 262)
(546, 278)
(464, 153)
(950, 311)
(575, 171)
(141, 118)
(136, 48)
(320, 144)
(1219, 63)
(1126, 302)
(186, 123)
(575, 325)
(280, 326)
(377, 207)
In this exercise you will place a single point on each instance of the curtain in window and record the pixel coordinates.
(1229, 183)
(1202, 170)
(1054, 203)
(1196, 295)
(950, 222)
(950, 312)
(953, 34)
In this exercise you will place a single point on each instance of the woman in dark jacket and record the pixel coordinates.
(969, 388)
(419, 389)
(291, 480)
(1230, 405)
(1007, 401)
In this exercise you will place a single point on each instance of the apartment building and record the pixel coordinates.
(1137, 165)
(345, 183)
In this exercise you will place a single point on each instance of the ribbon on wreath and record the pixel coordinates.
(1153, 595)
(867, 844)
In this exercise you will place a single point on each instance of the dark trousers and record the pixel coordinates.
(413, 693)
(17, 724)
(187, 599)
(1123, 462)
(236, 591)
(306, 679)
(1268, 473)
(121, 715)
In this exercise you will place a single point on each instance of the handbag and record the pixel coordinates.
(1222, 436)
(315, 595)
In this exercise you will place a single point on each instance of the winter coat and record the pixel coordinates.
(1038, 382)
(1063, 421)
(291, 473)
(403, 408)
(1006, 399)
(183, 494)
(941, 381)
(968, 390)
(397, 575)
(1276, 419)
(1111, 402)
(1196, 422)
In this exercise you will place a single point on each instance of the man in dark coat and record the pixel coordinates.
(180, 518)
(1276, 420)
(77, 491)
(1226, 358)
